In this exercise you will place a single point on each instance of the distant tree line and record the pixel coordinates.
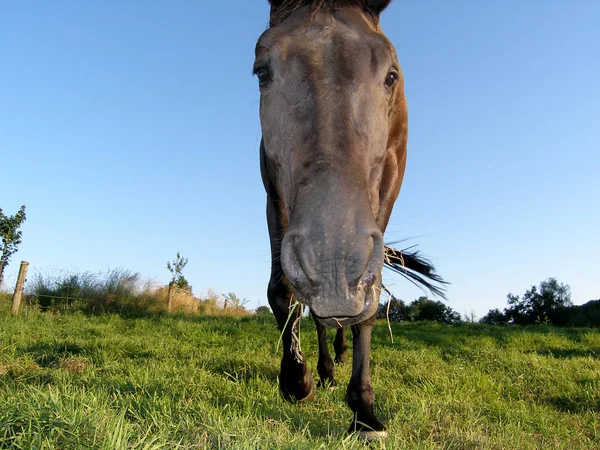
(550, 303)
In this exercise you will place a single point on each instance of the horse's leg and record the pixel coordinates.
(360, 395)
(340, 345)
(295, 380)
(325, 365)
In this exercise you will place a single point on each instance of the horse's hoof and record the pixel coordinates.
(373, 436)
(310, 396)
(293, 397)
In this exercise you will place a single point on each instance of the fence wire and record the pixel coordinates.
(49, 286)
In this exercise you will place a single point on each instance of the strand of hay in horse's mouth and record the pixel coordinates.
(387, 312)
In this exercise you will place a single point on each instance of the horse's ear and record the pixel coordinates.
(376, 6)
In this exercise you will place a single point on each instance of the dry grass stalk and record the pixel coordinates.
(74, 365)
(291, 308)
(387, 312)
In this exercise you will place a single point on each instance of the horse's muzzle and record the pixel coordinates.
(340, 285)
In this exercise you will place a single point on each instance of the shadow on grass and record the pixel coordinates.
(318, 421)
(49, 355)
(243, 370)
(578, 404)
(301, 418)
(441, 335)
(569, 353)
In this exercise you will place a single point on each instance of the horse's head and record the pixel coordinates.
(334, 126)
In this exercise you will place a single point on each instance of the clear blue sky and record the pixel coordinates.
(130, 130)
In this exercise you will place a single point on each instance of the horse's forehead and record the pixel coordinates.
(300, 32)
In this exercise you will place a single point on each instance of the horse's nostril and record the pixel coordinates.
(362, 264)
(369, 279)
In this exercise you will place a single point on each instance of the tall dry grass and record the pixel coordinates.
(120, 291)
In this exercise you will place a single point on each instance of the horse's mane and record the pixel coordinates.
(287, 7)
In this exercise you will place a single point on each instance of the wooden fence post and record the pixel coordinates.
(170, 297)
(16, 300)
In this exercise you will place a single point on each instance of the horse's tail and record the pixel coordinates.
(416, 269)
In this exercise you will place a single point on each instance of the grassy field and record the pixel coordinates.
(107, 382)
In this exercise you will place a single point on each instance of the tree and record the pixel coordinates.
(539, 305)
(11, 237)
(494, 317)
(176, 268)
(397, 310)
(584, 315)
(263, 311)
(426, 309)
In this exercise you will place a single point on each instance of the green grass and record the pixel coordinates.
(73, 381)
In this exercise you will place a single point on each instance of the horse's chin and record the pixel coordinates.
(369, 310)
(339, 322)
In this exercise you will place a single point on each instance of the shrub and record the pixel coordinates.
(494, 317)
(263, 311)
(585, 315)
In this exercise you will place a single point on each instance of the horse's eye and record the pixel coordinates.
(391, 78)
(263, 75)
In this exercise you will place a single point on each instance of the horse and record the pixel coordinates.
(334, 126)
